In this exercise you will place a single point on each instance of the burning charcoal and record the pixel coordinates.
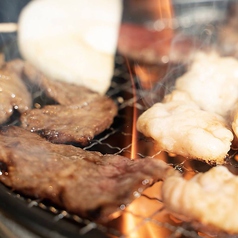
(77, 123)
(13, 94)
(86, 183)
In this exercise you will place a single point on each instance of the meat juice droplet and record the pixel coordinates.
(145, 182)
(136, 194)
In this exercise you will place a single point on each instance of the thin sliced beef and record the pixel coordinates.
(13, 94)
(80, 115)
(86, 183)
(65, 124)
(62, 92)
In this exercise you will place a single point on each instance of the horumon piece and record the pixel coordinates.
(86, 183)
(209, 200)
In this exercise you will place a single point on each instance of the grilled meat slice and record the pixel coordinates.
(62, 92)
(13, 94)
(86, 183)
(65, 124)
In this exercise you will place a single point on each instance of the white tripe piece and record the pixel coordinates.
(233, 117)
(179, 126)
(73, 40)
(212, 82)
(209, 198)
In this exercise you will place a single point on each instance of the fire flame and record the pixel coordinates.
(149, 75)
(134, 224)
(134, 131)
(165, 10)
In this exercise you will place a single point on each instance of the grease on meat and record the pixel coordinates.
(13, 94)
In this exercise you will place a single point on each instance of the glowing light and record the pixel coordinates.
(137, 218)
(148, 75)
(165, 10)
(134, 130)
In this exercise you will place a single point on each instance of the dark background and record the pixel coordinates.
(10, 9)
(9, 12)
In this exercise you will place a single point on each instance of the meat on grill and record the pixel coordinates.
(179, 126)
(62, 92)
(155, 47)
(13, 94)
(81, 115)
(86, 183)
(76, 123)
(208, 200)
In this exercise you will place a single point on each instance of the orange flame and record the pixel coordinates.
(134, 224)
(165, 9)
(134, 130)
(149, 75)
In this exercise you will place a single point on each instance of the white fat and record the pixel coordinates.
(72, 40)
(209, 198)
(212, 82)
(181, 127)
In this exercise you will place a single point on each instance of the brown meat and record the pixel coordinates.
(65, 124)
(13, 94)
(62, 92)
(86, 183)
(155, 47)
(81, 115)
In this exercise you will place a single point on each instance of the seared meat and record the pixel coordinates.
(81, 115)
(62, 92)
(155, 47)
(86, 183)
(13, 94)
(76, 123)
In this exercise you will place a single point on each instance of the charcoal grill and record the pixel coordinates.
(27, 217)
(41, 219)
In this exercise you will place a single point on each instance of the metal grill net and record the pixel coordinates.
(118, 140)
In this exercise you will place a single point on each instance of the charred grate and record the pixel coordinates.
(42, 216)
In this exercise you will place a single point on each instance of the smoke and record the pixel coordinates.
(196, 26)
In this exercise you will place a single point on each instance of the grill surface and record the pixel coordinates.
(45, 220)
